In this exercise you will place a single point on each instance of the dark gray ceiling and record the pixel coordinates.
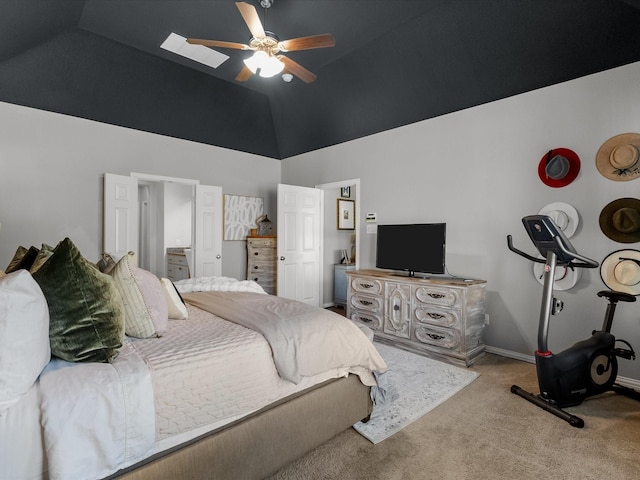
(395, 62)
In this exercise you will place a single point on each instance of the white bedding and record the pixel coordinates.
(95, 416)
(205, 372)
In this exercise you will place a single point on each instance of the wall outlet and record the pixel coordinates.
(486, 319)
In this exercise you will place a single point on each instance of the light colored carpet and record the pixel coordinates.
(486, 432)
(416, 385)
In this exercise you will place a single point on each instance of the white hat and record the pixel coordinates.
(564, 216)
(620, 271)
(565, 277)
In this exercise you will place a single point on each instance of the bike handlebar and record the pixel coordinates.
(584, 262)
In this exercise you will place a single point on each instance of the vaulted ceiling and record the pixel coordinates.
(395, 62)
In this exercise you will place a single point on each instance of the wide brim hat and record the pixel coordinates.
(565, 216)
(565, 277)
(620, 220)
(618, 158)
(559, 167)
(620, 271)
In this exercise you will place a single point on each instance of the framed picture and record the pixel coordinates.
(346, 214)
(345, 192)
(240, 214)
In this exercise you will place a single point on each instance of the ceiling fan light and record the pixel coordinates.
(263, 64)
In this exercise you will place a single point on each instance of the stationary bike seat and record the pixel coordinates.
(614, 296)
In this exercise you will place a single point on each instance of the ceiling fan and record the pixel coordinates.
(267, 60)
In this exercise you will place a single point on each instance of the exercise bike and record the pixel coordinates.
(590, 366)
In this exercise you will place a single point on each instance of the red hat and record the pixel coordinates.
(559, 167)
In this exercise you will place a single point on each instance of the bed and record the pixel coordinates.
(232, 383)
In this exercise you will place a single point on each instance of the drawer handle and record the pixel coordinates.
(255, 253)
(435, 336)
(437, 316)
(366, 285)
(255, 279)
(366, 320)
(396, 307)
(366, 302)
(256, 267)
(436, 295)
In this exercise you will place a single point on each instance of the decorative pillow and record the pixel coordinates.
(23, 258)
(85, 308)
(43, 255)
(106, 263)
(175, 303)
(145, 308)
(24, 335)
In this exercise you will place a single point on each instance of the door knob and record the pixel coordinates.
(282, 259)
(218, 256)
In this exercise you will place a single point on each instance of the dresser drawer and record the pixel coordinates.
(434, 295)
(435, 315)
(367, 285)
(260, 267)
(440, 337)
(372, 320)
(367, 303)
(261, 242)
(261, 254)
(173, 259)
(177, 272)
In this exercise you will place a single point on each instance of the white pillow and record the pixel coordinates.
(24, 335)
(145, 306)
(177, 308)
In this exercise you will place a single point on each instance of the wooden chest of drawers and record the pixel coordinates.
(177, 266)
(439, 317)
(261, 262)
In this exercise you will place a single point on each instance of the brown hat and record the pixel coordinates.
(618, 158)
(620, 220)
(620, 271)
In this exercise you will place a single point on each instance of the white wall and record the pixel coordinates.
(51, 169)
(476, 170)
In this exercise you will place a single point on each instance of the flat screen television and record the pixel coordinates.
(412, 248)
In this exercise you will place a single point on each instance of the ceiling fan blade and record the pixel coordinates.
(307, 43)
(297, 69)
(244, 75)
(217, 43)
(252, 19)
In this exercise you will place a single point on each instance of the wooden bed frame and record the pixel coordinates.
(257, 446)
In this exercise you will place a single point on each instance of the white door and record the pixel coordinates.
(299, 238)
(207, 244)
(120, 232)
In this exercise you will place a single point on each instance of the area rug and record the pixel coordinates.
(416, 385)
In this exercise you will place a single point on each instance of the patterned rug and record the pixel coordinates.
(416, 385)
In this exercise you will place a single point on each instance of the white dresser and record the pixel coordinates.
(261, 262)
(435, 317)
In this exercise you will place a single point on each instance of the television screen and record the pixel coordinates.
(412, 247)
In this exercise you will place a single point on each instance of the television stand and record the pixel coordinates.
(438, 317)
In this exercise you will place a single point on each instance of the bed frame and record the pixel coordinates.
(257, 446)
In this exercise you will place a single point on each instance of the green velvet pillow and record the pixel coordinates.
(85, 308)
(23, 258)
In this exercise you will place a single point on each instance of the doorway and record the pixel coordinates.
(336, 240)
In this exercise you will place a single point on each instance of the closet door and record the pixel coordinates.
(120, 232)
(207, 244)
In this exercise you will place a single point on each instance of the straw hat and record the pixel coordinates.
(618, 158)
(563, 215)
(559, 167)
(620, 220)
(620, 271)
(565, 277)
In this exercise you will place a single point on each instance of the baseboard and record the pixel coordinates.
(510, 354)
(624, 381)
